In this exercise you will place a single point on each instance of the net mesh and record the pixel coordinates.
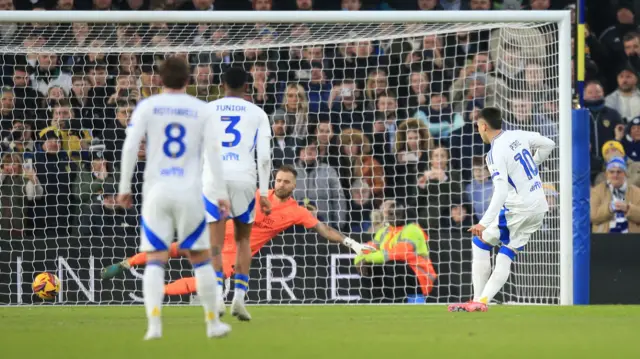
(382, 115)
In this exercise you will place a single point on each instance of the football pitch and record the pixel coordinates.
(328, 332)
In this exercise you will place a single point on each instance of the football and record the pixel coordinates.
(46, 286)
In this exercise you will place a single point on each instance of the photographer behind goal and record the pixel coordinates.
(400, 270)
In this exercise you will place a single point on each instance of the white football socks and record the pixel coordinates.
(498, 278)
(206, 283)
(153, 293)
(480, 270)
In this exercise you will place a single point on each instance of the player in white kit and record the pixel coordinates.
(246, 139)
(176, 127)
(517, 207)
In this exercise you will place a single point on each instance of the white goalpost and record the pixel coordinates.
(369, 107)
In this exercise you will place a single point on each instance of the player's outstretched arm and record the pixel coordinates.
(543, 146)
(135, 132)
(334, 236)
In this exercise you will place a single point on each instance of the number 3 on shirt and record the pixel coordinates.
(231, 130)
(173, 137)
(527, 162)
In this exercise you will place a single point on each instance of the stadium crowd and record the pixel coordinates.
(363, 122)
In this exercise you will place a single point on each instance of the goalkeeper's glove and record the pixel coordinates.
(359, 248)
(370, 258)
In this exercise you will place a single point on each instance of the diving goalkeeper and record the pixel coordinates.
(285, 213)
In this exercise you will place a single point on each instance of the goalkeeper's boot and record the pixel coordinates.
(114, 269)
(218, 329)
(239, 311)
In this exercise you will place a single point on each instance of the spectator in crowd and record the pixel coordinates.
(626, 99)
(524, 116)
(439, 117)
(480, 66)
(295, 108)
(615, 204)
(412, 158)
(49, 72)
(631, 142)
(115, 132)
(465, 142)
(283, 147)
(19, 186)
(360, 208)
(7, 111)
(357, 164)
(93, 176)
(25, 97)
(437, 190)
(478, 192)
(56, 173)
(198, 5)
(74, 139)
(20, 139)
(611, 38)
(305, 5)
(319, 183)
(263, 86)
(416, 92)
(351, 5)
(327, 146)
(346, 108)
(606, 123)
(104, 218)
(609, 150)
(203, 87)
(319, 89)
(631, 43)
(459, 217)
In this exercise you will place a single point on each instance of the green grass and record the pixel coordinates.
(327, 332)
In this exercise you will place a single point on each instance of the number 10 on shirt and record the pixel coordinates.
(527, 162)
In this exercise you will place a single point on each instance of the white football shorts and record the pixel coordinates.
(164, 215)
(242, 196)
(512, 230)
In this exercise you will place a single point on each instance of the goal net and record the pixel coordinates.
(372, 115)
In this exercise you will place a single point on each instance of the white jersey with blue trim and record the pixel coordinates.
(245, 135)
(174, 125)
(515, 174)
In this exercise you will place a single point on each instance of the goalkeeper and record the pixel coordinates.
(285, 213)
(399, 247)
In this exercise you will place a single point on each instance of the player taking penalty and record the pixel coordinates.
(516, 210)
(178, 127)
(285, 213)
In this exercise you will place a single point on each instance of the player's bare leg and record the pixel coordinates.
(206, 286)
(137, 260)
(153, 292)
(216, 233)
(243, 264)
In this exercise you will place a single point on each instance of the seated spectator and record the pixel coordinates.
(319, 183)
(55, 173)
(615, 204)
(610, 150)
(115, 133)
(465, 143)
(18, 185)
(357, 164)
(25, 96)
(376, 84)
(438, 189)
(459, 218)
(478, 192)
(480, 65)
(150, 83)
(126, 89)
(318, 89)
(203, 87)
(83, 106)
(74, 140)
(631, 142)
(626, 98)
(415, 92)
(346, 108)
(533, 78)
(283, 147)
(295, 108)
(611, 38)
(361, 206)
